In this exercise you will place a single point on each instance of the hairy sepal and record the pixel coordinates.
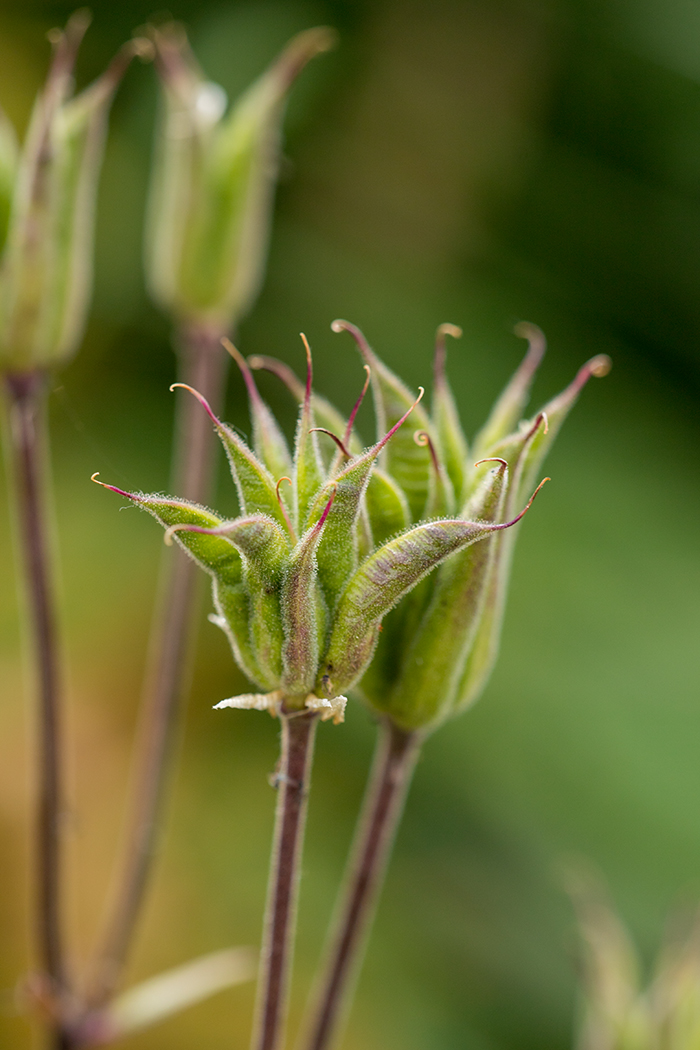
(387, 507)
(451, 442)
(303, 617)
(484, 649)
(381, 581)
(438, 649)
(509, 407)
(256, 488)
(216, 554)
(406, 462)
(308, 467)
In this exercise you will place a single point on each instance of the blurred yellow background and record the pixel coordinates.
(472, 161)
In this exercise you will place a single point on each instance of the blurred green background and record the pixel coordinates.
(478, 162)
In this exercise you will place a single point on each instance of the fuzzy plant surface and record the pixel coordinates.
(438, 645)
(325, 544)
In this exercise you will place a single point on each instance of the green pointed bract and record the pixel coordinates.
(308, 470)
(215, 173)
(214, 553)
(525, 453)
(408, 463)
(233, 606)
(256, 488)
(387, 507)
(300, 612)
(384, 578)
(46, 278)
(269, 443)
(507, 412)
(441, 493)
(556, 411)
(451, 442)
(439, 648)
(338, 550)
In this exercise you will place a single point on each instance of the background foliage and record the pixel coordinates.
(477, 161)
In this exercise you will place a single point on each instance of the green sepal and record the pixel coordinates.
(451, 442)
(407, 462)
(484, 649)
(556, 412)
(214, 553)
(265, 550)
(256, 488)
(346, 527)
(308, 469)
(441, 493)
(301, 604)
(387, 507)
(381, 581)
(232, 605)
(509, 407)
(438, 649)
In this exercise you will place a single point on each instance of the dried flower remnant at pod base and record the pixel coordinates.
(299, 585)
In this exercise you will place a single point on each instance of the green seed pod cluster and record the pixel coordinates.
(47, 204)
(213, 179)
(300, 584)
(438, 646)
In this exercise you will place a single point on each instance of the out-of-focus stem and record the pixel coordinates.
(392, 769)
(29, 444)
(202, 364)
(292, 779)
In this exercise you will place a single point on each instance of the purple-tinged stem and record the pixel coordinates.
(394, 760)
(202, 365)
(29, 445)
(292, 779)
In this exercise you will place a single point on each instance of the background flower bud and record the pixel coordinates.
(213, 180)
(48, 210)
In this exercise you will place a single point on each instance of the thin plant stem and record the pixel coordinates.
(202, 364)
(388, 784)
(292, 781)
(29, 448)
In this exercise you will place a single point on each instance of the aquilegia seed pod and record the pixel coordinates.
(439, 644)
(213, 179)
(47, 204)
(299, 587)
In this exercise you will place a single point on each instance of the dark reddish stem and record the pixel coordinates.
(292, 780)
(394, 761)
(202, 365)
(29, 442)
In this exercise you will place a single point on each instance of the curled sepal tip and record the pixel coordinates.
(510, 405)
(408, 464)
(200, 397)
(444, 330)
(269, 442)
